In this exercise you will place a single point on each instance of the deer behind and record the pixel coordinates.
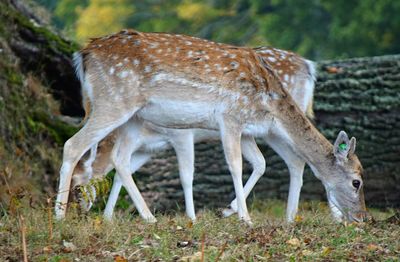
(184, 82)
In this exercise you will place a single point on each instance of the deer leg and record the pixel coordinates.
(96, 128)
(184, 148)
(121, 156)
(252, 154)
(230, 137)
(296, 169)
(137, 161)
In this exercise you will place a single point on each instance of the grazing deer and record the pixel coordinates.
(297, 76)
(178, 81)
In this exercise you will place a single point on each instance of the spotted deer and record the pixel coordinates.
(297, 76)
(183, 82)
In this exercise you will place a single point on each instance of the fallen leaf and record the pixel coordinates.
(119, 258)
(156, 236)
(189, 224)
(68, 247)
(373, 247)
(298, 219)
(333, 70)
(47, 249)
(307, 240)
(326, 251)
(306, 252)
(179, 228)
(293, 242)
(195, 257)
(97, 223)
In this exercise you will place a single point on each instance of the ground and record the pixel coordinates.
(314, 236)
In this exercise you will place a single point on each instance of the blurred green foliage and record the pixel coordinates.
(318, 29)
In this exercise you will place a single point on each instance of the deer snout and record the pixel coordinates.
(361, 216)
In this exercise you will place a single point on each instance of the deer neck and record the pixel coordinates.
(302, 136)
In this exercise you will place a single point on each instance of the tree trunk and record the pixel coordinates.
(360, 96)
(35, 68)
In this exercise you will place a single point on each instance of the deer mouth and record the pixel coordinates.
(356, 216)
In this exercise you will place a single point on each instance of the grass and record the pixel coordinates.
(314, 237)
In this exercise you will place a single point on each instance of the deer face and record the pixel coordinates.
(344, 184)
(80, 185)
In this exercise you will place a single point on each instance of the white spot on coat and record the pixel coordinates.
(286, 77)
(123, 74)
(153, 45)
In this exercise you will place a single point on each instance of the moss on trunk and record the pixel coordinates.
(34, 68)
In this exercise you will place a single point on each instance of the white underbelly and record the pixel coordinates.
(180, 114)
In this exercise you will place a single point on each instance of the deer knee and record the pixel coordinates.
(259, 167)
(69, 148)
(187, 181)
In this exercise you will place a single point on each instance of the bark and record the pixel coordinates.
(36, 84)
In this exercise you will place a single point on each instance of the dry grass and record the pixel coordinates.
(174, 237)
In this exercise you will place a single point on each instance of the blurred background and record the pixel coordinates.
(316, 29)
(40, 103)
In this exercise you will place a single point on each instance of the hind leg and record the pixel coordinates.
(184, 149)
(231, 137)
(100, 124)
(252, 154)
(128, 142)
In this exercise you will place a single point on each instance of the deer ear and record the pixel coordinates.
(343, 146)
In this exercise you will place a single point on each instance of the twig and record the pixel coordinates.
(23, 231)
(202, 246)
(50, 219)
(221, 251)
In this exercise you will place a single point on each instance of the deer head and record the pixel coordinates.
(343, 181)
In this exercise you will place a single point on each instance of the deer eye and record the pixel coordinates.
(356, 184)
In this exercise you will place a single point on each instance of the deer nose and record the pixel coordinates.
(361, 216)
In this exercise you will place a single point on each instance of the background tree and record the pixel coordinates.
(317, 29)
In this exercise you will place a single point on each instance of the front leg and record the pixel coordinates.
(137, 161)
(296, 169)
(231, 137)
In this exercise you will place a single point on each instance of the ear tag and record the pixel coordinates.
(342, 147)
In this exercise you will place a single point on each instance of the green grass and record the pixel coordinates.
(314, 237)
